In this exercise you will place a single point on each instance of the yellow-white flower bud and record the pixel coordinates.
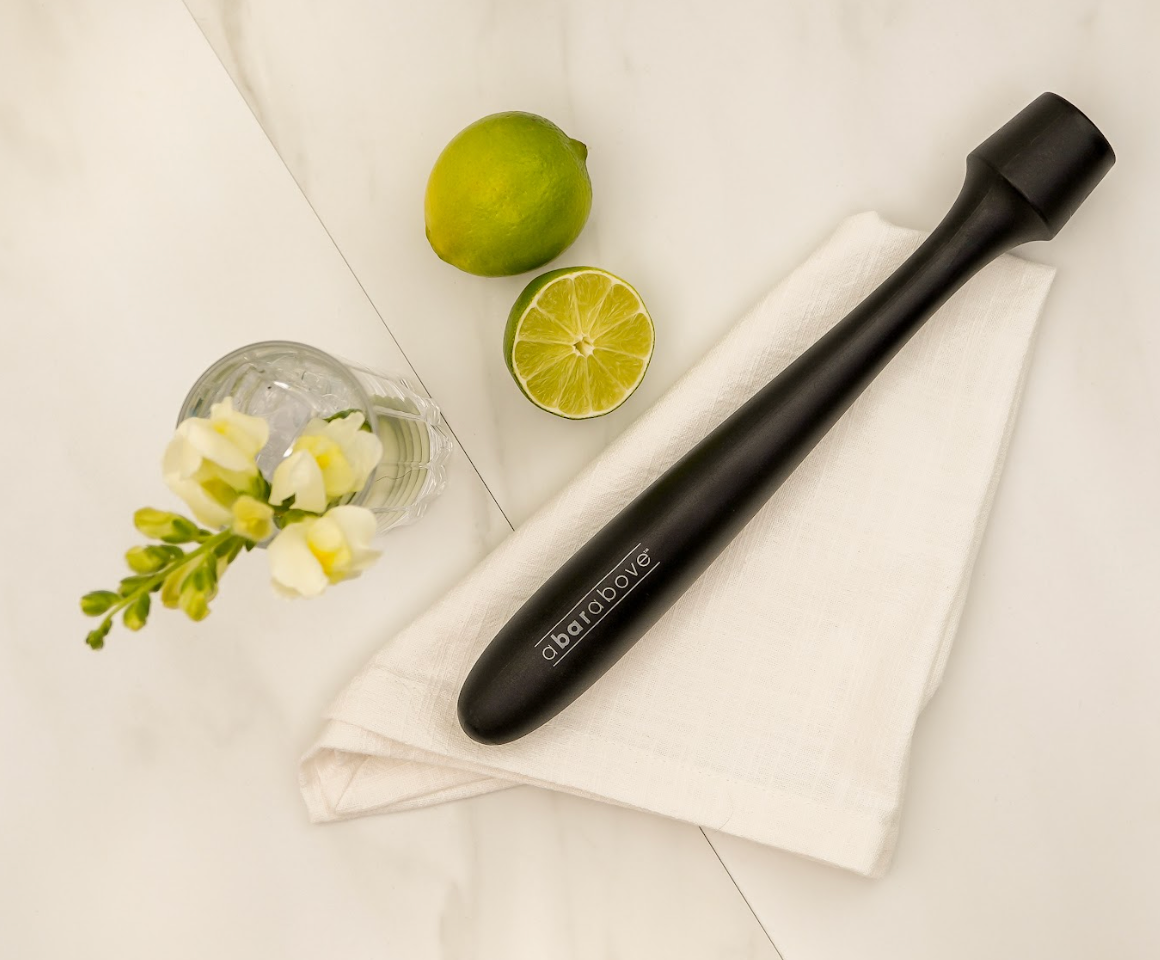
(252, 519)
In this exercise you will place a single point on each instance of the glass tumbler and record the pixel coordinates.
(290, 383)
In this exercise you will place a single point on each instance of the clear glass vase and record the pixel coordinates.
(290, 383)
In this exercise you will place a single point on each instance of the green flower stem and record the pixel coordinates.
(150, 583)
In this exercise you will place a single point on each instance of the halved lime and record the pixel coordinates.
(578, 342)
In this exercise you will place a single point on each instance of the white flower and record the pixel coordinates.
(329, 460)
(210, 459)
(314, 552)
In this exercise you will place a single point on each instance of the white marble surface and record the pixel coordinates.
(148, 794)
(146, 226)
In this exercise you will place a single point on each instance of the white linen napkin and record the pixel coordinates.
(776, 700)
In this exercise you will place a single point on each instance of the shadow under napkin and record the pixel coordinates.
(777, 699)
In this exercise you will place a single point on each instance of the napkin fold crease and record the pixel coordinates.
(777, 699)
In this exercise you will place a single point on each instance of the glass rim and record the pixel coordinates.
(239, 353)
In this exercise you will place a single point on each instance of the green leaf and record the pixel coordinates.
(96, 638)
(97, 602)
(137, 612)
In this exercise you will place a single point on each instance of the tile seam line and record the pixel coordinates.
(346, 263)
(415, 372)
(741, 893)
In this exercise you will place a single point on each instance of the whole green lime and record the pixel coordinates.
(507, 194)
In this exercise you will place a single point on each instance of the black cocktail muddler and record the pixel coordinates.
(1022, 183)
